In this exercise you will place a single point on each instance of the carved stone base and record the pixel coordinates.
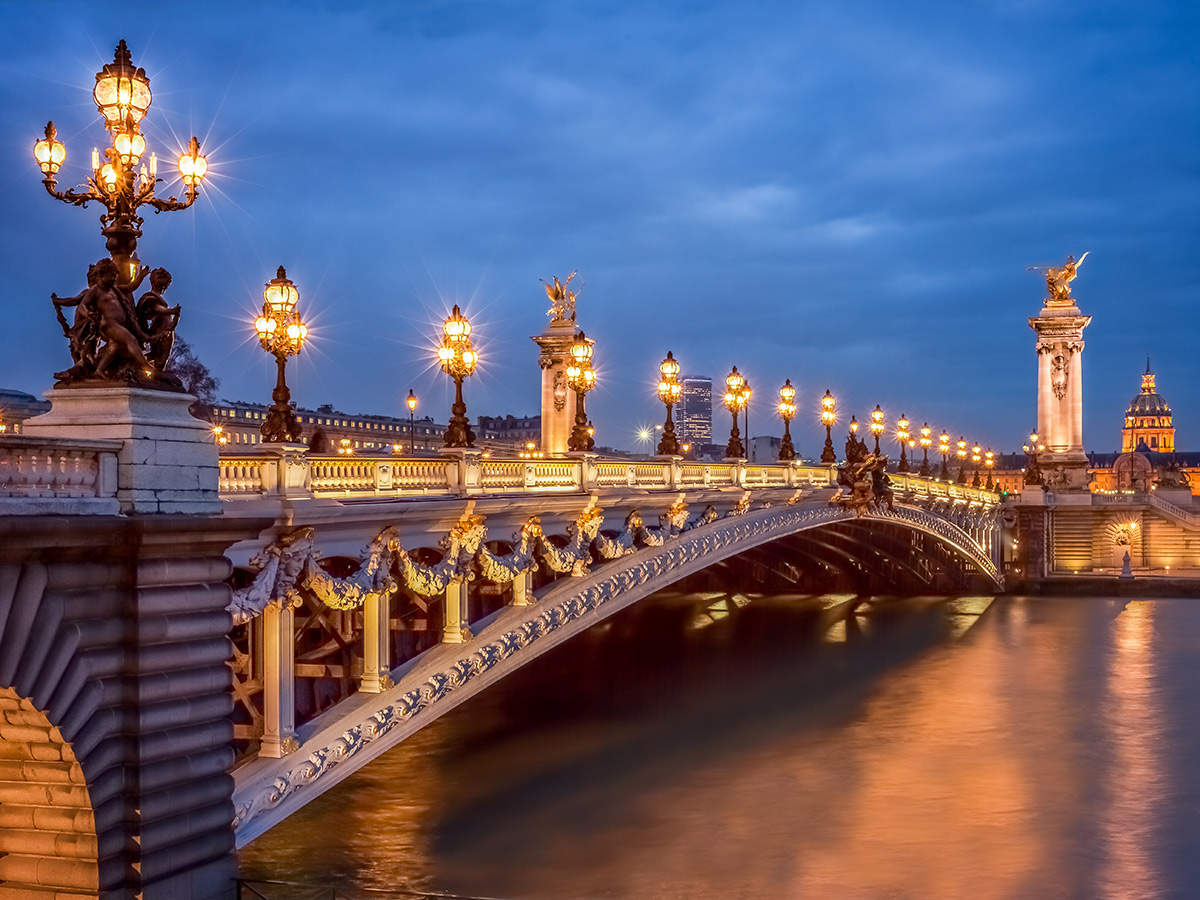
(168, 460)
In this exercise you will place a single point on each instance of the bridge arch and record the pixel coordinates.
(47, 826)
(451, 673)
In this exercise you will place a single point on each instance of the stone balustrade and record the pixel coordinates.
(40, 475)
(471, 473)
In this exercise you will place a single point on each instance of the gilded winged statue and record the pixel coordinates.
(1058, 280)
(562, 300)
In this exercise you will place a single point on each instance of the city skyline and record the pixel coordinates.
(846, 196)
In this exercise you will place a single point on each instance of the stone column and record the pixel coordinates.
(377, 644)
(522, 588)
(558, 401)
(1059, 330)
(279, 680)
(454, 630)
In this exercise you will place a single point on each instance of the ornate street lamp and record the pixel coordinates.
(961, 453)
(877, 425)
(411, 400)
(989, 460)
(902, 437)
(828, 418)
(926, 431)
(737, 395)
(787, 411)
(581, 378)
(669, 392)
(122, 96)
(458, 359)
(944, 449)
(282, 334)
(344, 448)
(220, 438)
(976, 456)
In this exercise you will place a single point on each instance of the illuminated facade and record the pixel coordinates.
(1148, 419)
(694, 413)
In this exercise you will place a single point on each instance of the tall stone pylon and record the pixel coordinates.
(1059, 329)
(558, 400)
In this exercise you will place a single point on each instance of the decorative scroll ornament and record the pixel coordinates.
(374, 575)
(743, 505)
(575, 556)
(503, 569)
(461, 545)
(281, 566)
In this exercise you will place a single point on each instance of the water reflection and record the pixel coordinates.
(796, 747)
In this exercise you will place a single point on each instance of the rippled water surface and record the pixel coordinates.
(1049, 748)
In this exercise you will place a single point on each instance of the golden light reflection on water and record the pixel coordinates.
(1020, 761)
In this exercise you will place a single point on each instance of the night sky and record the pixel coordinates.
(846, 194)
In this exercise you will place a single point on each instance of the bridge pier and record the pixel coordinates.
(115, 702)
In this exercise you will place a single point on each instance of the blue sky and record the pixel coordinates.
(846, 194)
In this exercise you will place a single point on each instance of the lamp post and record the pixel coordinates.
(282, 334)
(877, 425)
(926, 431)
(961, 453)
(669, 392)
(581, 378)
(828, 418)
(458, 359)
(989, 460)
(220, 438)
(944, 449)
(122, 96)
(902, 437)
(976, 457)
(746, 410)
(737, 395)
(411, 400)
(787, 411)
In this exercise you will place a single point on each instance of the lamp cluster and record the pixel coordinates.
(282, 333)
(458, 360)
(670, 392)
(122, 95)
(581, 378)
(737, 398)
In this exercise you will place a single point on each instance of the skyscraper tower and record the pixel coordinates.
(694, 414)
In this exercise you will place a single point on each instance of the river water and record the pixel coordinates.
(1046, 748)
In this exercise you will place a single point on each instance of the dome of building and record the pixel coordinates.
(1148, 419)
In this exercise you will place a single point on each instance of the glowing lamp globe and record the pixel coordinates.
(122, 92)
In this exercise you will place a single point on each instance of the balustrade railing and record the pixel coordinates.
(39, 468)
(338, 476)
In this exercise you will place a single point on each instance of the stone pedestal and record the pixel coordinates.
(168, 459)
(464, 472)
(558, 400)
(288, 474)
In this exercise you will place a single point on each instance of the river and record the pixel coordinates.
(1016, 748)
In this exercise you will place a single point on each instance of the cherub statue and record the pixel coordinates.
(157, 320)
(109, 309)
(562, 301)
(1058, 281)
(83, 334)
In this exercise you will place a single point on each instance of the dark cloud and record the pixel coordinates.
(846, 194)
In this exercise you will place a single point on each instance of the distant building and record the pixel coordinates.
(508, 432)
(17, 406)
(325, 428)
(1148, 419)
(693, 415)
(764, 449)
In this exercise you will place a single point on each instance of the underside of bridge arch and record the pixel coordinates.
(47, 827)
(867, 555)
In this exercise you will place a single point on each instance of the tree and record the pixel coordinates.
(197, 380)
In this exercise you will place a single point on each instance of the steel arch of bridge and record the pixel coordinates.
(448, 674)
